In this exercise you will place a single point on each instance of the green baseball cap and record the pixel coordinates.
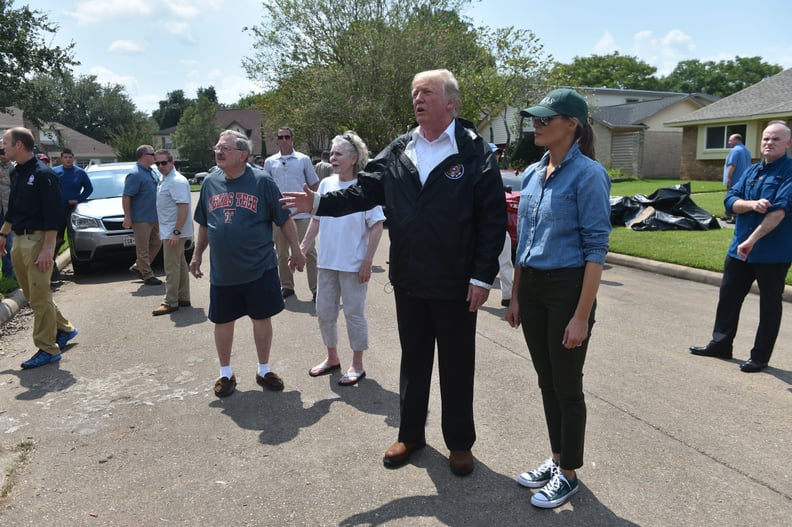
(563, 101)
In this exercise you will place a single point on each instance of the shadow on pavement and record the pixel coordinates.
(370, 397)
(279, 416)
(483, 498)
(41, 381)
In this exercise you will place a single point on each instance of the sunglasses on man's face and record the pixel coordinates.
(161, 163)
(284, 137)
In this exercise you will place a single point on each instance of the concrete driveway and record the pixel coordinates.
(125, 430)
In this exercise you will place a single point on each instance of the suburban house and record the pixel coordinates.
(746, 112)
(629, 128)
(246, 121)
(51, 138)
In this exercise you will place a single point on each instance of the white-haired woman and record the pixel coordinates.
(345, 252)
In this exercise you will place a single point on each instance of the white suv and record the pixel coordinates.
(95, 230)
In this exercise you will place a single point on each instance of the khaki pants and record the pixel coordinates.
(48, 319)
(177, 273)
(147, 245)
(282, 248)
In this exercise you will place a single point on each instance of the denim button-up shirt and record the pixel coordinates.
(564, 220)
(773, 182)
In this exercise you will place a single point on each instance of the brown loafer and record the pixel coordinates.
(399, 453)
(461, 462)
(270, 381)
(164, 309)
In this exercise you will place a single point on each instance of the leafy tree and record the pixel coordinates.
(720, 79)
(197, 131)
(210, 93)
(171, 109)
(517, 67)
(606, 71)
(126, 139)
(345, 64)
(24, 52)
(85, 105)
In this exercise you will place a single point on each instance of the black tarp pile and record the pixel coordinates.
(666, 209)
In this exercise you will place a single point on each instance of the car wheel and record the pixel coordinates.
(80, 267)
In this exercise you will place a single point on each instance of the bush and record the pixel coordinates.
(7, 285)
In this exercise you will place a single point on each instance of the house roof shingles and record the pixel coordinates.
(634, 113)
(770, 97)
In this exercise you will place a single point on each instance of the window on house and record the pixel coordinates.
(167, 142)
(717, 136)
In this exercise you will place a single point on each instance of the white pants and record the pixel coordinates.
(332, 287)
(506, 273)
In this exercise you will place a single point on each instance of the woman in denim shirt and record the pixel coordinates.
(563, 228)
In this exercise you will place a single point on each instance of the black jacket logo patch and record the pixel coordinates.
(455, 171)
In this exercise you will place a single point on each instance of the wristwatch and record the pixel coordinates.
(177, 232)
(3, 235)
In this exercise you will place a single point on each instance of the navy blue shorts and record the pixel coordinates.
(259, 299)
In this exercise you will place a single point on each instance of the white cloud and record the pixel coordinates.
(605, 45)
(183, 9)
(108, 76)
(95, 11)
(182, 30)
(126, 46)
(664, 52)
(230, 88)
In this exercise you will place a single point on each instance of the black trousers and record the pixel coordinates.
(450, 325)
(547, 302)
(738, 277)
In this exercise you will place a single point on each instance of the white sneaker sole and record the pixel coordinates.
(538, 500)
(525, 480)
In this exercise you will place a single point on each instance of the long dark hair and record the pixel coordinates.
(584, 135)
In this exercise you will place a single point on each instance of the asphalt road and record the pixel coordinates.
(125, 430)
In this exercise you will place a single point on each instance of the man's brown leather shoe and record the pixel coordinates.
(399, 453)
(461, 462)
(164, 309)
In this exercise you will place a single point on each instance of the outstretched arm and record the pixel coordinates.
(299, 202)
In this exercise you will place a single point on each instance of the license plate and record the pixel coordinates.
(129, 240)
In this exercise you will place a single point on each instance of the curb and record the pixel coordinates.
(680, 271)
(16, 300)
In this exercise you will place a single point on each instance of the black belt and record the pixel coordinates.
(550, 273)
(22, 232)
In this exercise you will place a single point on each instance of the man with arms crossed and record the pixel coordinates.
(760, 250)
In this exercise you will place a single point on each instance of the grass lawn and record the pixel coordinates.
(698, 249)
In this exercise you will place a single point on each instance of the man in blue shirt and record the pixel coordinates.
(760, 250)
(236, 211)
(75, 188)
(140, 213)
(737, 161)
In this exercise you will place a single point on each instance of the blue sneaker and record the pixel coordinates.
(538, 477)
(557, 492)
(40, 359)
(64, 337)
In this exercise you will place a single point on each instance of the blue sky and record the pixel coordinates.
(153, 47)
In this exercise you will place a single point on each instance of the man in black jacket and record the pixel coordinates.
(444, 201)
(35, 215)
